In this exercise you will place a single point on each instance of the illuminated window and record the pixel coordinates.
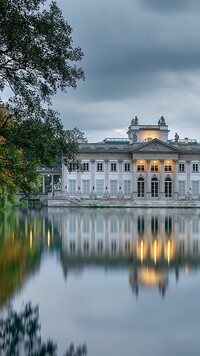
(154, 168)
(140, 168)
(168, 168)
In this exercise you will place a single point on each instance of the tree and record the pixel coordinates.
(20, 335)
(36, 57)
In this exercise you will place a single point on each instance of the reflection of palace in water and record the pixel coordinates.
(148, 241)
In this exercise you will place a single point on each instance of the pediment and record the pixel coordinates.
(156, 145)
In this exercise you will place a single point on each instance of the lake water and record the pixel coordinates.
(124, 281)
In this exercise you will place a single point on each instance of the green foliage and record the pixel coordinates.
(20, 335)
(36, 60)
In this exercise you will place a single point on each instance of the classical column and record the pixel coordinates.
(148, 182)
(188, 177)
(92, 161)
(52, 183)
(106, 172)
(175, 179)
(162, 180)
(79, 180)
(120, 173)
(43, 184)
(134, 180)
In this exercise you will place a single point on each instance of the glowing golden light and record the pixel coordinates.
(48, 238)
(150, 277)
(154, 161)
(169, 249)
(31, 238)
(156, 249)
(141, 249)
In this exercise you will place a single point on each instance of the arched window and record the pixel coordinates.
(168, 188)
(140, 187)
(154, 187)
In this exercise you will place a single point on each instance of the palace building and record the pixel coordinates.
(143, 168)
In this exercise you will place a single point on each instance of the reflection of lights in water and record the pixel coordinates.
(142, 251)
(186, 270)
(48, 238)
(155, 251)
(31, 238)
(151, 277)
(168, 251)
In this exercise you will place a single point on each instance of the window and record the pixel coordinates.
(113, 247)
(195, 167)
(168, 225)
(99, 167)
(86, 247)
(168, 168)
(127, 188)
(100, 224)
(72, 167)
(113, 188)
(100, 246)
(168, 188)
(154, 168)
(86, 167)
(182, 167)
(86, 187)
(140, 188)
(113, 167)
(195, 188)
(72, 187)
(72, 223)
(154, 225)
(99, 187)
(127, 167)
(154, 187)
(140, 168)
(127, 224)
(181, 188)
(72, 247)
(86, 224)
(127, 246)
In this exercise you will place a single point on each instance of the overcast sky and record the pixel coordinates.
(141, 57)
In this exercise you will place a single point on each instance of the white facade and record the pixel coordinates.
(145, 166)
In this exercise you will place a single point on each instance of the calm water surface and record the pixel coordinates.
(123, 281)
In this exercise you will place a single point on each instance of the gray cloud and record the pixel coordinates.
(141, 57)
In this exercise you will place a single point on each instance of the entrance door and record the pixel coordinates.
(154, 187)
(168, 188)
(140, 186)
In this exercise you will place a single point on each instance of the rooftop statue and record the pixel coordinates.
(135, 121)
(176, 137)
(161, 121)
